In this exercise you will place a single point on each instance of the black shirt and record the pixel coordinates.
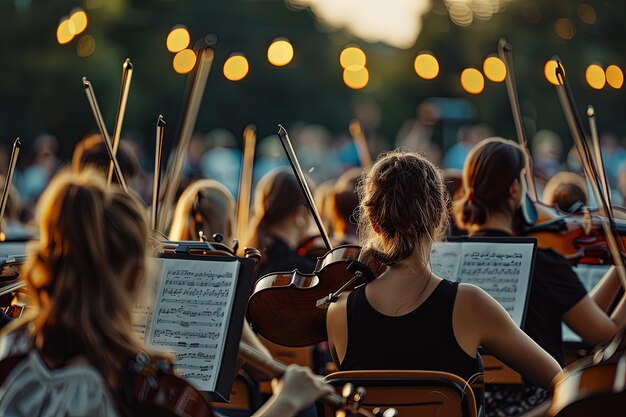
(281, 258)
(420, 340)
(554, 289)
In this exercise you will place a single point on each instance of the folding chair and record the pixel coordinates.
(412, 393)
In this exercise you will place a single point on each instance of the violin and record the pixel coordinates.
(283, 307)
(578, 237)
(594, 385)
(157, 391)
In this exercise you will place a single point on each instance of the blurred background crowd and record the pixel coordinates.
(422, 78)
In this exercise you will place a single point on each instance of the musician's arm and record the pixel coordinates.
(604, 292)
(591, 323)
(297, 390)
(501, 337)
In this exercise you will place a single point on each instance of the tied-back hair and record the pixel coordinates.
(205, 205)
(277, 196)
(404, 206)
(92, 241)
(489, 170)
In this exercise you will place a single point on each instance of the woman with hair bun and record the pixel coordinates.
(409, 318)
(493, 194)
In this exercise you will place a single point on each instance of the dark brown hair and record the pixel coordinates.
(404, 205)
(277, 196)
(489, 170)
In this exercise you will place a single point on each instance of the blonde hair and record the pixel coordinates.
(92, 244)
(207, 204)
(403, 205)
(565, 189)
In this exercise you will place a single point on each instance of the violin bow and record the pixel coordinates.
(91, 97)
(566, 99)
(156, 186)
(276, 369)
(358, 136)
(591, 116)
(196, 83)
(245, 182)
(505, 52)
(15, 152)
(127, 75)
(297, 170)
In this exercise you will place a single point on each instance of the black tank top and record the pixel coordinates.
(420, 340)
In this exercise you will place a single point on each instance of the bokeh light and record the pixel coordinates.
(549, 70)
(595, 76)
(65, 31)
(236, 67)
(587, 13)
(494, 69)
(472, 81)
(426, 66)
(280, 52)
(79, 20)
(184, 61)
(565, 28)
(614, 76)
(353, 58)
(178, 39)
(86, 46)
(356, 79)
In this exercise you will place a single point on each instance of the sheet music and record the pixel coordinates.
(589, 275)
(445, 260)
(191, 314)
(501, 269)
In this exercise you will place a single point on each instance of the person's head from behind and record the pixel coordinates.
(91, 152)
(492, 182)
(86, 270)
(567, 191)
(279, 205)
(343, 201)
(205, 206)
(403, 209)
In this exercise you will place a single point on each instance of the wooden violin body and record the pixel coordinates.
(592, 386)
(578, 237)
(283, 308)
(162, 394)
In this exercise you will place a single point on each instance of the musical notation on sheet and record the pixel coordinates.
(501, 269)
(191, 314)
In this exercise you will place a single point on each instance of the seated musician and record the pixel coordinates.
(566, 191)
(85, 275)
(280, 223)
(91, 152)
(408, 318)
(494, 191)
(343, 200)
(205, 206)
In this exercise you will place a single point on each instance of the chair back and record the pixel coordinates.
(411, 393)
